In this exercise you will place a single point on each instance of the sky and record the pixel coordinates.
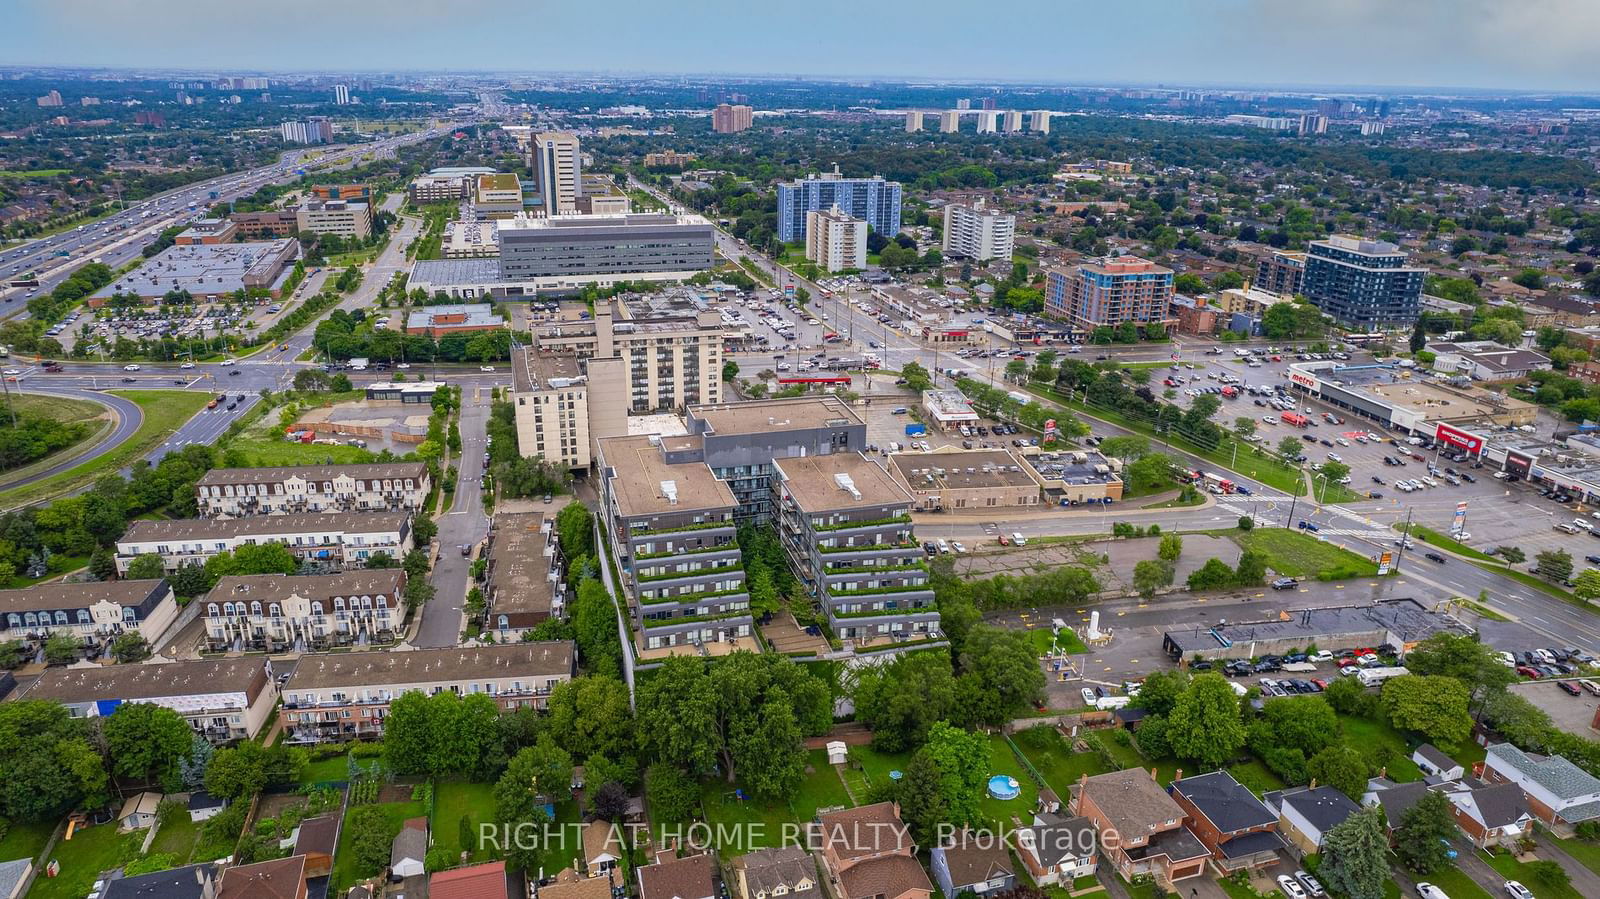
(1494, 44)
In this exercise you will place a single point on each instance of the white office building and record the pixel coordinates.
(836, 241)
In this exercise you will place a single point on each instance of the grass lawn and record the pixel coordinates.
(177, 838)
(1511, 869)
(345, 872)
(1256, 776)
(1128, 757)
(90, 851)
(276, 453)
(1295, 554)
(1364, 733)
(164, 412)
(56, 567)
(35, 173)
(1053, 758)
(999, 811)
(1194, 500)
(323, 770)
(821, 788)
(451, 800)
(764, 824)
(26, 840)
(1235, 891)
(95, 416)
(1457, 884)
(1065, 640)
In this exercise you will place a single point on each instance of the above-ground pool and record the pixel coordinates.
(1002, 786)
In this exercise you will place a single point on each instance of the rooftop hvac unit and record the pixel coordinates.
(844, 482)
(669, 489)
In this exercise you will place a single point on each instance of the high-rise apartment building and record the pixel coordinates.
(726, 119)
(974, 232)
(1109, 292)
(836, 241)
(987, 121)
(314, 130)
(873, 199)
(341, 95)
(1013, 121)
(341, 217)
(1365, 283)
(913, 120)
(1039, 121)
(949, 121)
(557, 165)
(1282, 272)
(1313, 123)
(50, 100)
(742, 441)
(963, 104)
(551, 395)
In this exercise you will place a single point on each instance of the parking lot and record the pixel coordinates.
(1573, 714)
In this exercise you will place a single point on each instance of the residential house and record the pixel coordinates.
(485, 881)
(1058, 849)
(99, 611)
(372, 487)
(1306, 814)
(867, 853)
(569, 884)
(783, 871)
(409, 850)
(1141, 828)
(334, 540)
(1240, 831)
(139, 811)
(602, 848)
(222, 699)
(972, 862)
(278, 612)
(690, 877)
(1559, 793)
(1566, 311)
(282, 878)
(1492, 814)
(1434, 763)
(187, 882)
(316, 839)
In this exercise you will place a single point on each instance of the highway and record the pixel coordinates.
(129, 417)
(1350, 526)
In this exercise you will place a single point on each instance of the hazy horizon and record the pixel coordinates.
(1480, 45)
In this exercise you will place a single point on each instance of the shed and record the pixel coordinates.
(139, 811)
(838, 752)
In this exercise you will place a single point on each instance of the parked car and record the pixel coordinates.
(1285, 583)
(1569, 687)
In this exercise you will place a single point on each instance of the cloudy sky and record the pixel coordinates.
(1512, 44)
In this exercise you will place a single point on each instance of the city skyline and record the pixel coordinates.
(1472, 44)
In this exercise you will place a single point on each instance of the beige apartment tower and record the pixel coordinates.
(949, 121)
(726, 119)
(836, 241)
(913, 121)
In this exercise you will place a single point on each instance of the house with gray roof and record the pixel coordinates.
(1240, 831)
(778, 871)
(1558, 792)
(970, 862)
(1058, 849)
(1306, 814)
(1434, 763)
(13, 875)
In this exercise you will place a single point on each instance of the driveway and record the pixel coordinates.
(1584, 880)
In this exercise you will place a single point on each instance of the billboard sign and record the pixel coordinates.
(1459, 439)
(1460, 519)
(1304, 380)
(1385, 563)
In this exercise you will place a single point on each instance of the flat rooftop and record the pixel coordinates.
(201, 269)
(317, 671)
(962, 469)
(519, 581)
(948, 403)
(143, 531)
(839, 481)
(769, 415)
(473, 315)
(455, 272)
(533, 370)
(644, 479)
(1416, 392)
(1406, 618)
(146, 680)
(524, 222)
(1073, 467)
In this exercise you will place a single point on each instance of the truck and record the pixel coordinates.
(1020, 397)
(1230, 391)
(872, 360)
(1295, 419)
(358, 364)
(1218, 484)
(1370, 677)
(916, 429)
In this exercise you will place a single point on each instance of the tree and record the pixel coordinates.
(1160, 691)
(1204, 724)
(382, 560)
(1355, 855)
(591, 715)
(146, 566)
(916, 377)
(237, 772)
(672, 796)
(901, 699)
(1587, 584)
(1150, 575)
(1433, 706)
(1171, 547)
(1462, 657)
(130, 647)
(1251, 570)
(1007, 671)
(1150, 472)
(1342, 767)
(923, 806)
(1246, 522)
(1555, 565)
(192, 770)
(61, 648)
(371, 832)
(1244, 426)
(1422, 840)
(962, 759)
(1125, 447)
(147, 741)
(1306, 723)
(423, 529)
(1213, 575)
(1334, 472)
(47, 765)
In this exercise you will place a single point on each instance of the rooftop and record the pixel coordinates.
(147, 680)
(499, 181)
(1323, 807)
(839, 481)
(473, 315)
(1224, 801)
(144, 531)
(524, 222)
(1358, 245)
(648, 485)
(864, 830)
(1554, 773)
(278, 879)
(362, 472)
(691, 877)
(455, 272)
(319, 835)
(770, 415)
(188, 882)
(535, 369)
(319, 671)
(485, 881)
(1131, 800)
(78, 596)
(948, 404)
(519, 572)
(201, 269)
(952, 468)
(1406, 618)
(279, 587)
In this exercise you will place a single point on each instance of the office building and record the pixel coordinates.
(470, 240)
(497, 196)
(1372, 129)
(1108, 293)
(551, 394)
(350, 220)
(571, 251)
(446, 184)
(207, 231)
(314, 130)
(1282, 272)
(949, 121)
(873, 199)
(974, 232)
(373, 487)
(557, 165)
(1013, 121)
(1039, 121)
(350, 192)
(437, 321)
(668, 158)
(836, 241)
(222, 699)
(1363, 283)
(345, 696)
(331, 540)
(266, 225)
(96, 612)
(913, 121)
(341, 95)
(963, 104)
(726, 119)
(304, 613)
(671, 525)
(846, 526)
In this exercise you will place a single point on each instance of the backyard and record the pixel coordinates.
(1050, 754)
(763, 823)
(345, 870)
(26, 840)
(90, 851)
(453, 800)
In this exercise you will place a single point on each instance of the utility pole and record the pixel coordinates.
(1405, 540)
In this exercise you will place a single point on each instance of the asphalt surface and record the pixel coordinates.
(128, 419)
(464, 523)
